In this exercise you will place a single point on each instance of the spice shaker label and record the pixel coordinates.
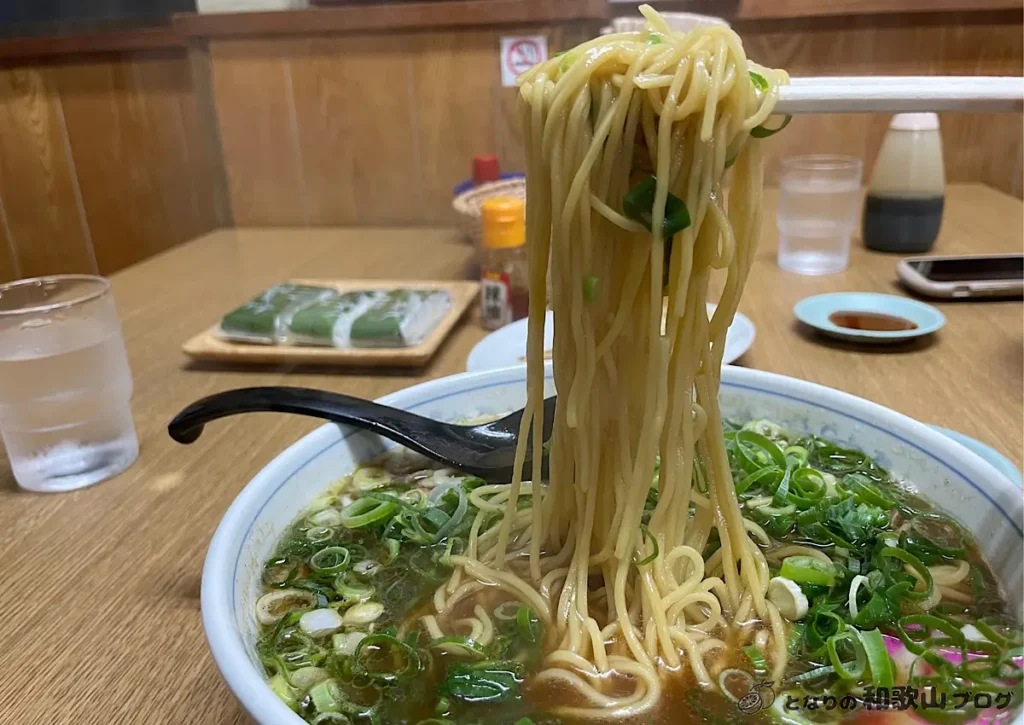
(495, 300)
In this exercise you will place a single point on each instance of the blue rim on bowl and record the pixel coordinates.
(1001, 463)
(815, 311)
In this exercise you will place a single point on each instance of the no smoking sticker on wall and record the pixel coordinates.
(519, 53)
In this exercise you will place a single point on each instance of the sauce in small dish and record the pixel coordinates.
(875, 321)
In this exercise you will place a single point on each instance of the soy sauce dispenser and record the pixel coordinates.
(903, 207)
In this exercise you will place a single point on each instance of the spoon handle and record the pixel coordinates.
(392, 423)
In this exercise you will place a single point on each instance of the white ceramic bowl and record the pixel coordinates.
(944, 471)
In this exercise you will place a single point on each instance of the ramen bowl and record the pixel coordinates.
(941, 470)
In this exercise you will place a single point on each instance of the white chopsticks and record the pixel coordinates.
(900, 94)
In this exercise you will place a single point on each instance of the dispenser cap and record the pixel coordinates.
(503, 220)
(915, 122)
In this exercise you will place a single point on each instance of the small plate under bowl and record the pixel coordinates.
(815, 311)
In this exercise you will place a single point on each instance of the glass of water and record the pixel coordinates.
(819, 197)
(65, 386)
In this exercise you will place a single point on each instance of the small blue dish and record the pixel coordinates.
(815, 311)
(990, 454)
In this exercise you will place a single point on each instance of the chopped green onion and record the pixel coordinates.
(654, 547)
(808, 570)
(765, 132)
(655, 39)
(327, 696)
(528, 625)
(457, 516)
(590, 288)
(459, 646)
(284, 691)
(331, 560)
(807, 487)
(507, 611)
(765, 451)
(483, 682)
(939, 534)
(987, 627)
(384, 658)
(916, 565)
(638, 205)
(755, 477)
(796, 638)
(844, 668)
(319, 533)
(864, 491)
(393, 546)
(816, 673)
(838, 460)
(797, 452)
(351, 589)
(879, 662)
(823, 624)
(756, 658)
(927, 624)
(782, 491)
(367, 510)
(735, 683)
(759, 81)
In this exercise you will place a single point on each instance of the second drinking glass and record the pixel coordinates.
(819, 197)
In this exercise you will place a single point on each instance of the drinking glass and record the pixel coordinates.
(818, 201)
(65, 386)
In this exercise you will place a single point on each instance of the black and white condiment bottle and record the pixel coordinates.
(903, 207)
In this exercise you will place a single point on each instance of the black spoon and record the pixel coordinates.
(487, 450)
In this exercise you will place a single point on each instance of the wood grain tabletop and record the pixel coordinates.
(100, 603)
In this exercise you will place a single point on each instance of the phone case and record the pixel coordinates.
(961, 289)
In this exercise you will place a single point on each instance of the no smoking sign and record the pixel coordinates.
(519, 53)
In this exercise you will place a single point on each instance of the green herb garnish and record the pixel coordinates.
(639, 206)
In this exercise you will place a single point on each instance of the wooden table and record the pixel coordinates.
(100, 602)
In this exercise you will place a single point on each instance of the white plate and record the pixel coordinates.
(507, 346)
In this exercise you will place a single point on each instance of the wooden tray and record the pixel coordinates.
(209, 346)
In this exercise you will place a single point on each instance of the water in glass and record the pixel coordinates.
(65, 384)
(818, 203)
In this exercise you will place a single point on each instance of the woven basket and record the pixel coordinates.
(467, 204)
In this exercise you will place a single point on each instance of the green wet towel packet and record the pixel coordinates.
(326, 323)
(262, 319)
(401, 319)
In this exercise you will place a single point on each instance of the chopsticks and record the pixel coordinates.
(900, 94)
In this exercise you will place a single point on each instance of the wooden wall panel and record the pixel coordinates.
(102, 162)
(200, 122)
(509, 130)
(364, 129)
(378, 128)
(983, 147)
(455, 92)
(252, 87)
(797, 8)
(137, 167)
(8, 259)
(41, 198)
(355, 121)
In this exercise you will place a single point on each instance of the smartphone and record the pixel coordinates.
(997, 275)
